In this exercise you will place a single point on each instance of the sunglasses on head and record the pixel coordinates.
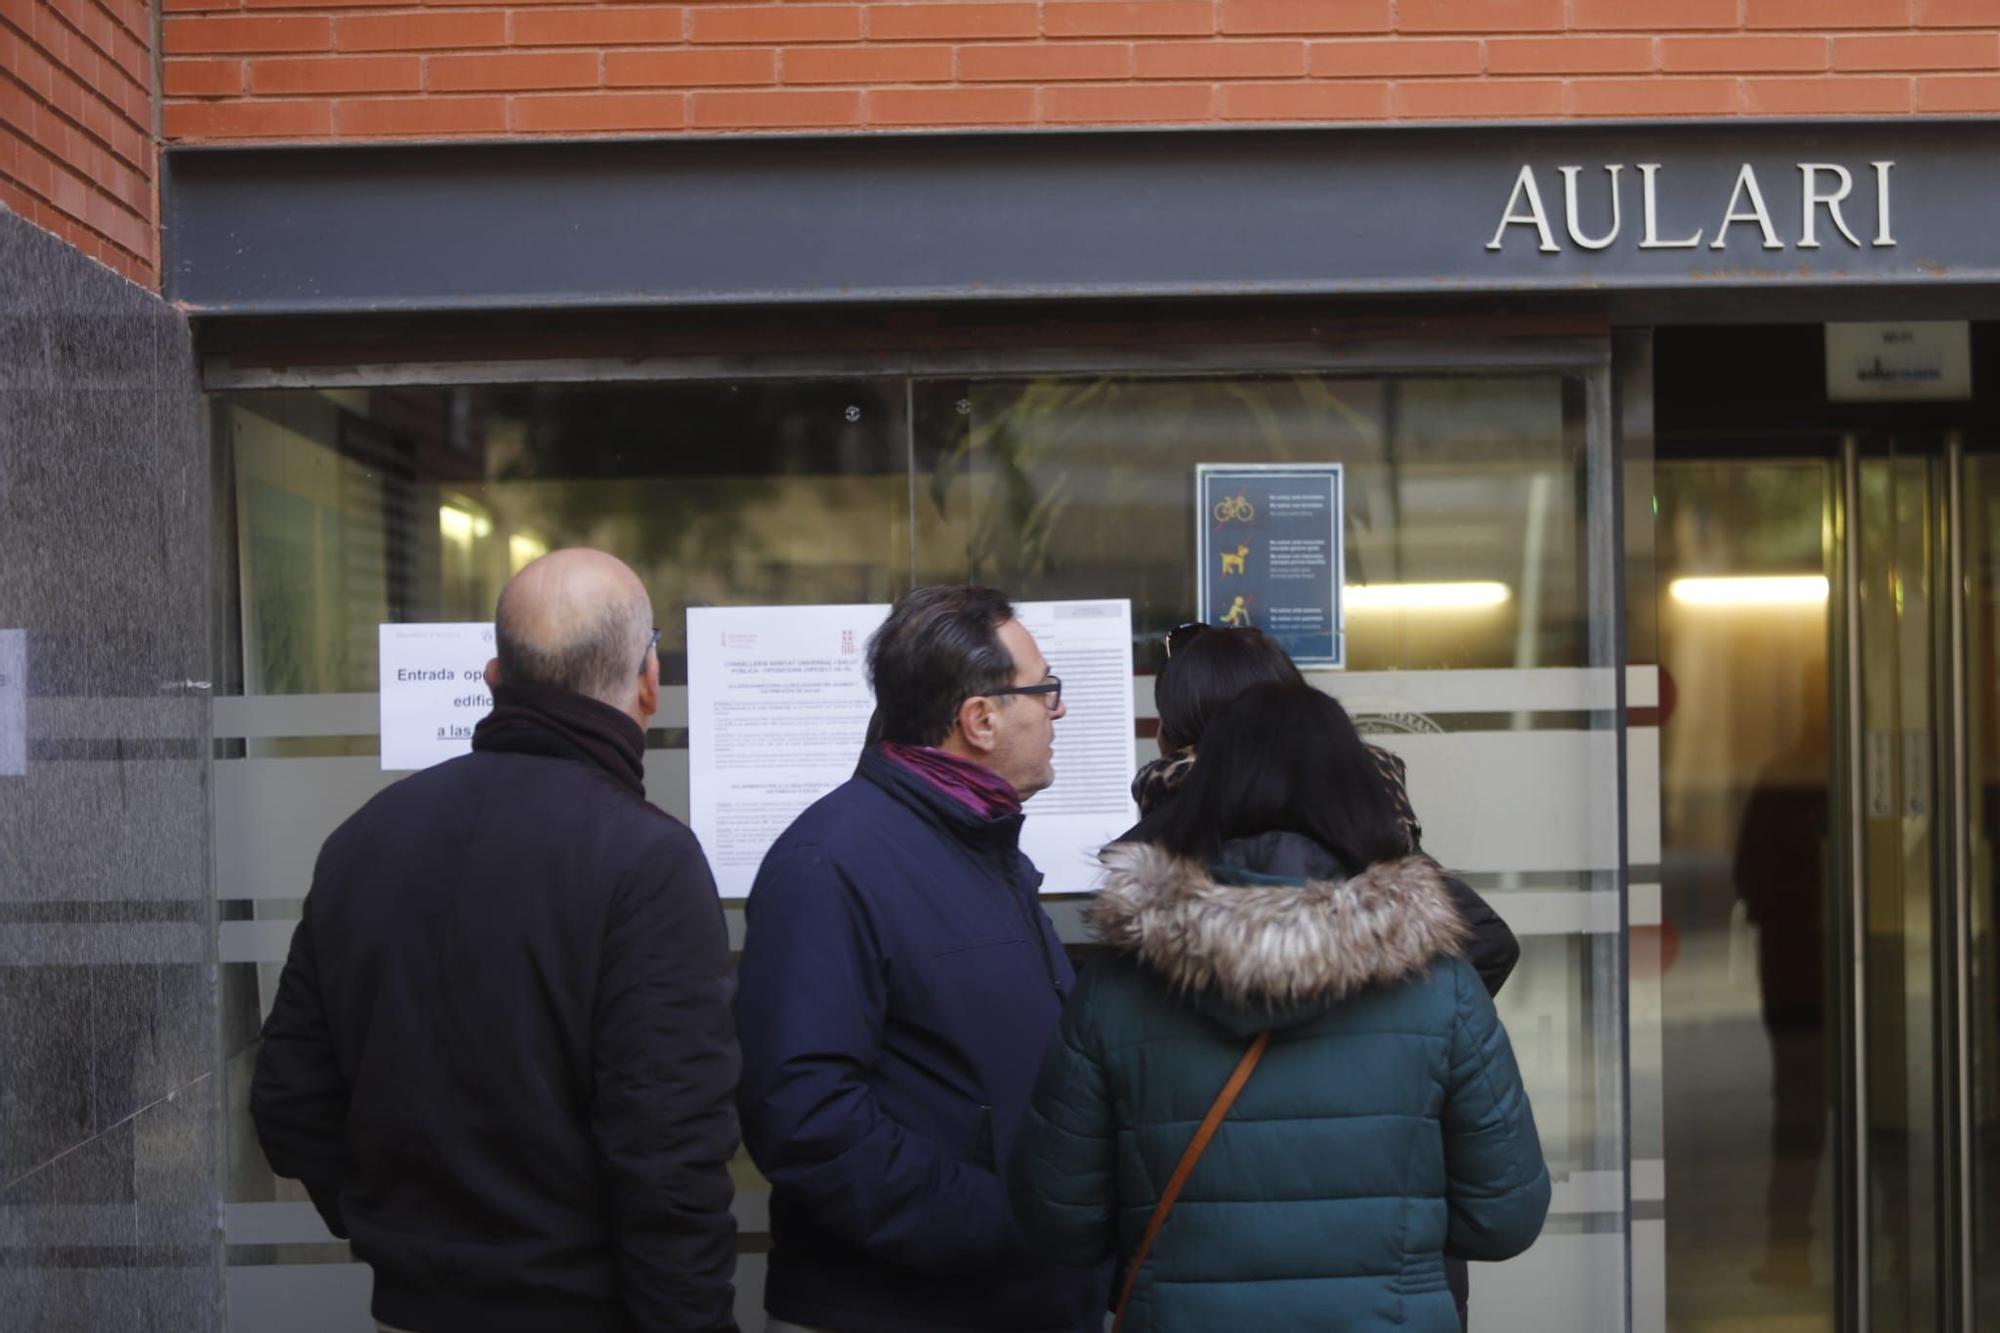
(1180, 635)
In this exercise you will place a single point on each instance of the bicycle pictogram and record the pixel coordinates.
(1236, 507)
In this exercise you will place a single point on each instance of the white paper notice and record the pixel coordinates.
(1089, 648)
(13, 702)
(433, 691)
(778, 706)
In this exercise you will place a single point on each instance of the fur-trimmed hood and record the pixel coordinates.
(1272, 944)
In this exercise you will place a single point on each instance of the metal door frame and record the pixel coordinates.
(1954, 1264)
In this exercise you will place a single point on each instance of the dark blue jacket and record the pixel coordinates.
(1386, 1126)
(898, 986)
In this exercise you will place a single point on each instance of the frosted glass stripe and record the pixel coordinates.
(56, 943)
(298, 1222)
(1541, 689)
(1590, 1192)
(274, 1224)
(1495, 801)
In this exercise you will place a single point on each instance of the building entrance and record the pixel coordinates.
(1827, 637)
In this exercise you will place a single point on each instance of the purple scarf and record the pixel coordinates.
(978, 789)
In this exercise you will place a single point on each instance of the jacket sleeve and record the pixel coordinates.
(1492, 950)
(811, 1003)
(298, 1097)
(1063, 1174)
(1497, 1185)
(664, 1065)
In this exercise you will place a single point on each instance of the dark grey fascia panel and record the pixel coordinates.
(1085, 215)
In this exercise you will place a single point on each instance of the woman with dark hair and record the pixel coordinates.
(1207, 667)
(1204, 670)
(1277, 926)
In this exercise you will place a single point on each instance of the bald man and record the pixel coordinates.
(500, 1058)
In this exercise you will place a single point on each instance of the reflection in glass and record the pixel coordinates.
(1900, 501)
(1747, 875)
(1461, 516)
(1982, 638)
(1464, 548)
(1467, 527)
(357, 507)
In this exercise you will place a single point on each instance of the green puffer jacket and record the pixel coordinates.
(1385, 1125)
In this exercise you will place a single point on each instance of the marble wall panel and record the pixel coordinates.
(109, 1104)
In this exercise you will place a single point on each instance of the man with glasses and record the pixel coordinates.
(500, 1058)
(898, 986)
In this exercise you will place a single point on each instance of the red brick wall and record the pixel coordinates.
(77, 149)
(368, 69)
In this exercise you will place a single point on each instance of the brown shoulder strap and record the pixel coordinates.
(1196, 1147)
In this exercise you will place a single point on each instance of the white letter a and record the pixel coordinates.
(1746, 183)
(1536, 217)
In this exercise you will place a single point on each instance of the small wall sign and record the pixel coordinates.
(1906, 362)
(13, 702)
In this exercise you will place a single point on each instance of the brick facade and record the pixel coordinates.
(371, 69)
(77, 145)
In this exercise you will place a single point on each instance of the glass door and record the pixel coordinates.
(1976, 950)
(1896, 615)
(1829, 1084)
(1751, 1042)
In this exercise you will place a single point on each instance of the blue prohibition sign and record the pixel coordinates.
(1268, 551)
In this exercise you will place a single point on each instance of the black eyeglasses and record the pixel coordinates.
(1179, 635)
(1051, 687)
(651, 645)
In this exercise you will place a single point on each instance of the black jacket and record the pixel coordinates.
(501, 1056)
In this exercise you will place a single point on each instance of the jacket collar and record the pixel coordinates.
(1277, 941)
(998, 833)
(531, 719)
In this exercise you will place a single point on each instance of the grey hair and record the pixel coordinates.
(600, 657)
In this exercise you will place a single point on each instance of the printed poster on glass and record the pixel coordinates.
(1269, 554)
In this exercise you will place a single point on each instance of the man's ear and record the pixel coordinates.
(649, 688)
(978, 724)
(492, 673)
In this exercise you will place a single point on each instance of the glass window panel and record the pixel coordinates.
(359, 506)
(1747, 960)
(1083, 486)
(1896, 527)
(356, 507)
(1982, 638)
(1079, 487)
